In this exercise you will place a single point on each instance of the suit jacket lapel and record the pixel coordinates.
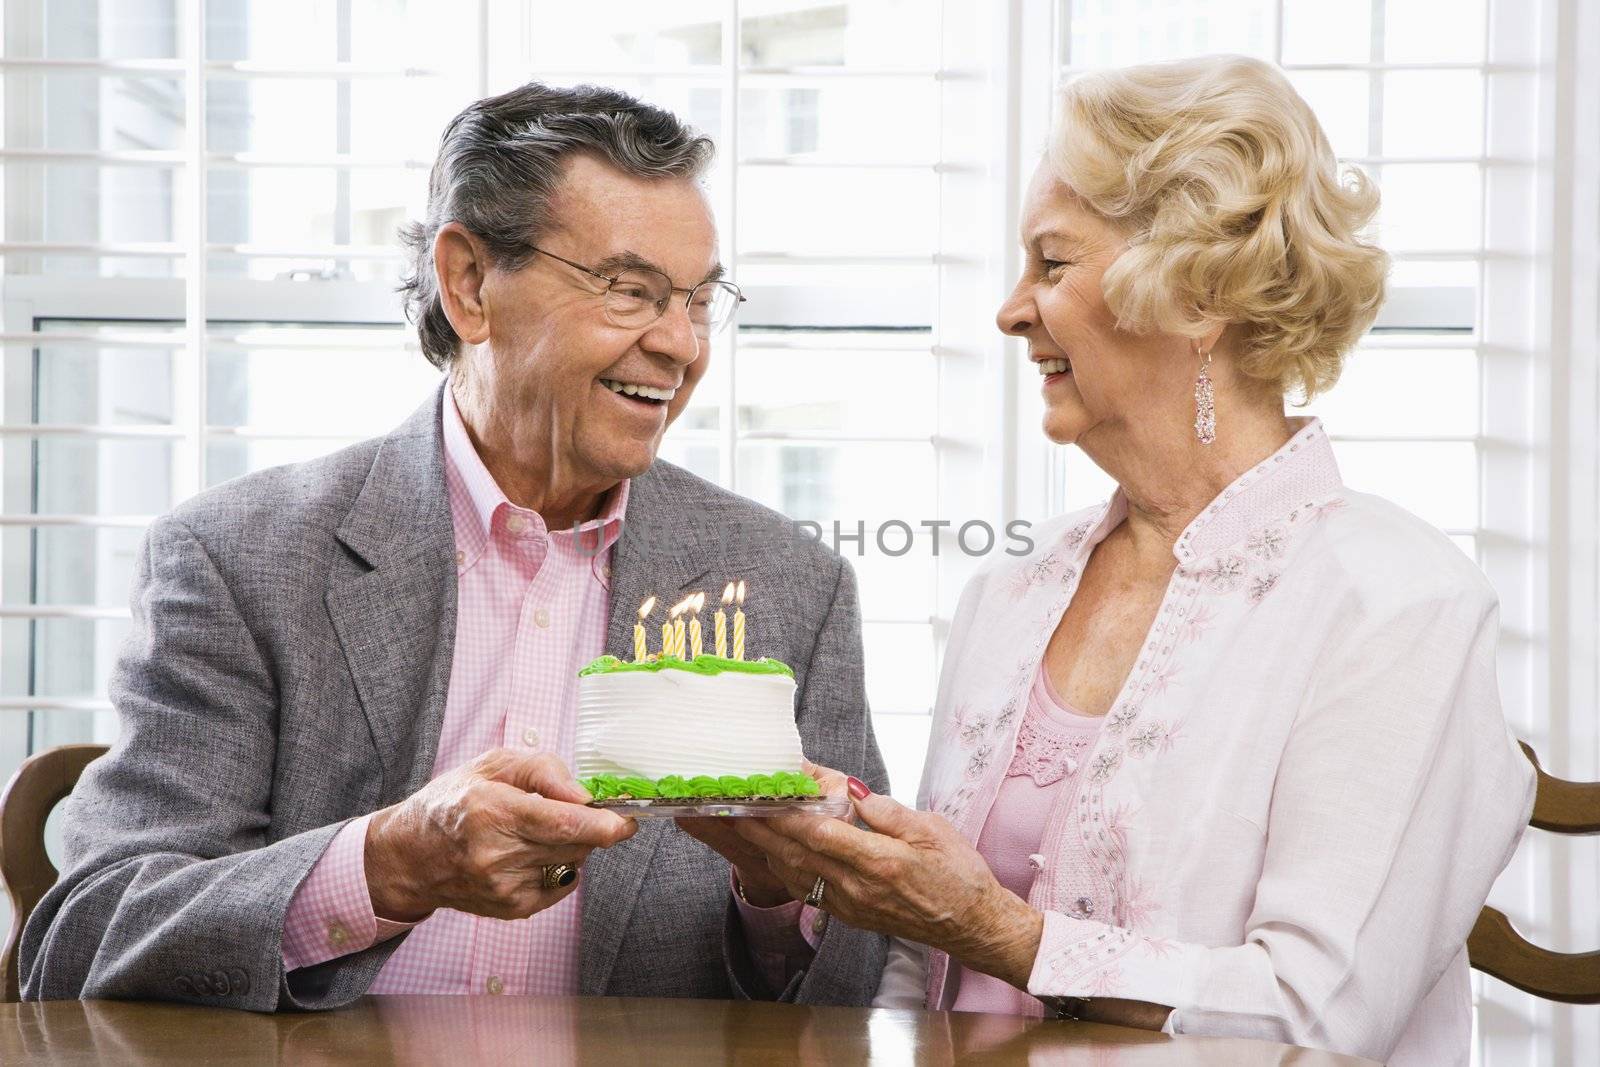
(394, 608)
(653, 557)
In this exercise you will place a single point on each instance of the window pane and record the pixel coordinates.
(1315, 31)
(65, 658)
(812, 119)
(425, 34)
(1339, 100)
(857, 486)
(91, 202)
(116, 31)
(84, 475)
(1106, 33)
(838, 296)
(700, 457)
(900, 672)
(308, 389)
(313, 207)
(88, 112)
(1433, 113)
(856, 33)
(856, 392)
(1436, 207)
(843, 211)
(903, 740)
(896, 587)
(1406, 393)
(68, 565)
(623, 34)
(55, 385)
(228, 458)
(1427, 31)
(1437, 481)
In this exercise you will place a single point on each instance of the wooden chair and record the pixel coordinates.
(1494, 947)
(42, 782)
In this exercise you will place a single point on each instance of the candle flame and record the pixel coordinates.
(646, 608)
(681, 606)
(738, 595)
(727, 594)
(699, 602)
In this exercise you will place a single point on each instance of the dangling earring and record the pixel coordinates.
(1205, 402)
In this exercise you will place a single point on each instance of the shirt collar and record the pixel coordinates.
(475, 497)
(1303, 471)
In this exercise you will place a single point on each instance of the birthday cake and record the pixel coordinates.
(685, 725)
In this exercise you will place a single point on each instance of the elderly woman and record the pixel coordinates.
(1225, 754)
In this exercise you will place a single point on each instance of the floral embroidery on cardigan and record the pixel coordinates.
(1261, 585)
(1104, 765)
(1121, 719)
(1268, 543)
(1226, 574)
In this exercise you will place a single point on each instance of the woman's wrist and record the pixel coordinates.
(1003, 939)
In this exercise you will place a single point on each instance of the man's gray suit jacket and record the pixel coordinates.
(287, 672)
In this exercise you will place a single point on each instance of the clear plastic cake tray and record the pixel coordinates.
(727, 807)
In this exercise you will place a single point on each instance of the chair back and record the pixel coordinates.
(1495, 947)
(42, 782)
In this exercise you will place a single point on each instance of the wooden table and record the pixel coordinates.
(464, 1031)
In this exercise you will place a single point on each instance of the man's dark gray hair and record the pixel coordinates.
(499, 163)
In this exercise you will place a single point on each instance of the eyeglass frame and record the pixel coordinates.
(688, 294)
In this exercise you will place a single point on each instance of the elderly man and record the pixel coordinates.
(348, 703)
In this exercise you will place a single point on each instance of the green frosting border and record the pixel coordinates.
(701, 664)
(674, 786)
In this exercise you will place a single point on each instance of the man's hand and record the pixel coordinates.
(478, 838)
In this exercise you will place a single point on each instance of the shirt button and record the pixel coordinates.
(337, 934)
(494, 985)
(541, 619)
(530, 737)
(461, 557)
(516, 523)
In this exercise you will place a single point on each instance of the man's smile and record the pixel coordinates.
(652, 394)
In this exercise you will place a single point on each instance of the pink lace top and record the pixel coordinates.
(1051, 744)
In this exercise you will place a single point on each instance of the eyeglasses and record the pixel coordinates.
(638, 296)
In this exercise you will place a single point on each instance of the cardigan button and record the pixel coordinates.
(1036, 861)
(1083, 907)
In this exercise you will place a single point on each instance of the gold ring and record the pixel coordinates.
(559, 875)
(814, 898)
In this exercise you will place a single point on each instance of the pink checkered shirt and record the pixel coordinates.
(532, 608)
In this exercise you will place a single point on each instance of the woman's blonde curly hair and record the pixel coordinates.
(1235, 211)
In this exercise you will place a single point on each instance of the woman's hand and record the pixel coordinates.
(909, 874)
(759, 884)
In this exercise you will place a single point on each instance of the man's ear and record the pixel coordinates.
(460, 262)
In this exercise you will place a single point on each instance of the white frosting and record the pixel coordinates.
(656, 723)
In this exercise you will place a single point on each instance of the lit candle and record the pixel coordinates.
(722, 622)
(694, 625)
(738, 622)
(639, 652)
(677, 625)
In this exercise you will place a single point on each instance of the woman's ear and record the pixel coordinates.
(460, 262)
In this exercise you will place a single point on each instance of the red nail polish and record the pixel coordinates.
(858, 788)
